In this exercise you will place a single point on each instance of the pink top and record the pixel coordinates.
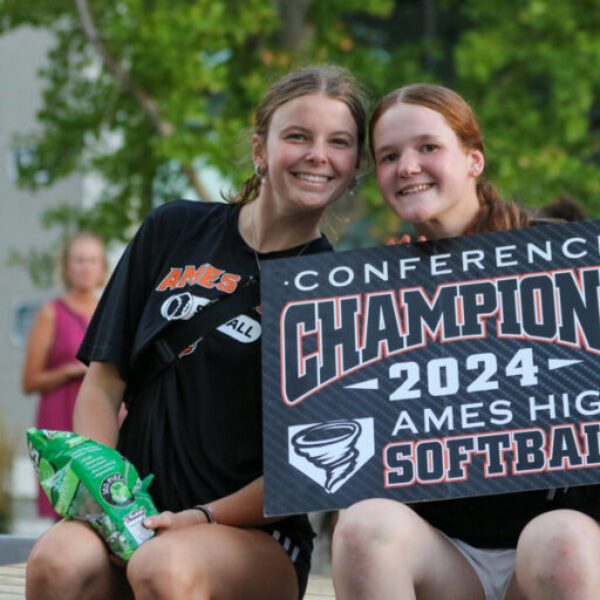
(55, 409)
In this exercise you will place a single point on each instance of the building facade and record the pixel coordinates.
(22, 53)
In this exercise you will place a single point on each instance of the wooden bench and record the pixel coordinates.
(14, 551)
(319, 587)
(12, 584)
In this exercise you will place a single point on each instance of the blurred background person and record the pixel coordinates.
(565, 208)
(51, 368)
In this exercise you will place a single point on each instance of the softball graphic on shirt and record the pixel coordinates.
(185, 305)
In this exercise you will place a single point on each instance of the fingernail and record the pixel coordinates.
(147, 523)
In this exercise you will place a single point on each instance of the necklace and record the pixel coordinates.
(255, 236)
(295, 256)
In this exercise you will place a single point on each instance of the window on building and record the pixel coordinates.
(22, 316)
(23, 157)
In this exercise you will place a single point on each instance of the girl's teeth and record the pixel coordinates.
(313, 178)
(417, 188)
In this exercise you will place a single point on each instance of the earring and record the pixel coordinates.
(475, 171)
(260, 172)
(353, 186)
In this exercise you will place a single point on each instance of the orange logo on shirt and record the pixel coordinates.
(205, 275)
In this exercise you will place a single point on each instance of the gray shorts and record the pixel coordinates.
(494, 567)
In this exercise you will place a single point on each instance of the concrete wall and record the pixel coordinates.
(22, 53)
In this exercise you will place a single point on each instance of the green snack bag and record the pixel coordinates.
(89, 481)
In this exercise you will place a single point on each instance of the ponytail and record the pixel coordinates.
(248, 192)
(494, 213)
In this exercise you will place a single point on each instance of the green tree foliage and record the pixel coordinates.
(527, 68)
(144, 92)
(530, 68)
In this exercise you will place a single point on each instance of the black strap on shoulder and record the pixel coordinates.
(179, 335)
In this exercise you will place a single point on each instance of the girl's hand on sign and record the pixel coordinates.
(405, 239)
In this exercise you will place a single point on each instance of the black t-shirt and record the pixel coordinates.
(197, 428)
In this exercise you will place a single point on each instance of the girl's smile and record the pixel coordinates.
(424, 173)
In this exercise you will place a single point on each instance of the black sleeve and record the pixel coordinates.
(114, 330)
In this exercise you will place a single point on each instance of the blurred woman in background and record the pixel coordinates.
(50, 364)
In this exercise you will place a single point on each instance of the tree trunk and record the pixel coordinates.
(294, 30)
(148, 104)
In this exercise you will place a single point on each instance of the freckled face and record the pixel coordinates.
(424, 173)
(311, 153)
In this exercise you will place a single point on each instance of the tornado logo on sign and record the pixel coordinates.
(331, 453)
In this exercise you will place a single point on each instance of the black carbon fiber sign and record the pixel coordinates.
(443, 369)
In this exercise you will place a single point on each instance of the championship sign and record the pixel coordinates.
(450, 368)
